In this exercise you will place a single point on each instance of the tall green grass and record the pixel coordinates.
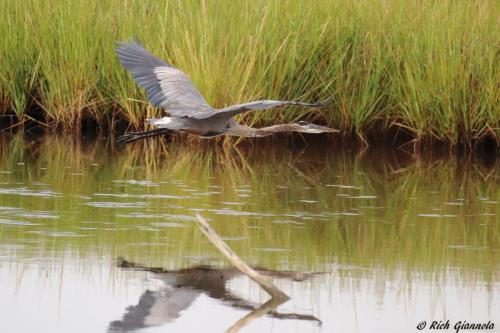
(428, 67)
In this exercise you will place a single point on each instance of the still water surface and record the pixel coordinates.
(394, 239)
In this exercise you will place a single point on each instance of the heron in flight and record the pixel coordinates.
(170, 89)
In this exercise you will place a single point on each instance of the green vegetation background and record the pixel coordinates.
(429, 67)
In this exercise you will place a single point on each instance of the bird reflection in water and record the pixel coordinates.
(182, 287)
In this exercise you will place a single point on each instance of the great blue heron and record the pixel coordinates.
(170, 89)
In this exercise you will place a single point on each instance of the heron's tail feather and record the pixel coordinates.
(134, 136)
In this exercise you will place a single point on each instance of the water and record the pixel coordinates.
(394, 239)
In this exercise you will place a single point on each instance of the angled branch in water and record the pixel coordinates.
(189, 283)
(265, 308)
(264, 282)
(184, 285)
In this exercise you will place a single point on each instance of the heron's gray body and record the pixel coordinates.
(199, 127)
(170, 89)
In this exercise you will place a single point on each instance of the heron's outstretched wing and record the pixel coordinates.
(167, 87)
(258, 105)
(244, 131)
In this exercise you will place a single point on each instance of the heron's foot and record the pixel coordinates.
(134, 136)
(128, 137)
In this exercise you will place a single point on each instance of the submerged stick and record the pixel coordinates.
(265, 308)
(263, 281)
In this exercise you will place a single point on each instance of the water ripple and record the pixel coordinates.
(16, 222)
(23, 191)
(437, 215)
(343, 186)
(177, 217)
(56, 233)
(231, 212)
(140, 196)
(107, 204)
(170, 225)
(136, 182)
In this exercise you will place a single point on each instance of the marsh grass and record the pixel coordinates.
(429, 68)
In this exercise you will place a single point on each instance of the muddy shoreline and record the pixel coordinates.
(34, 125)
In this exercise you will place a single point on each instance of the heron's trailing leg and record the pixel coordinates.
(134, 136)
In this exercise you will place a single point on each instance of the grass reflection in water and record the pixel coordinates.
(373, 215)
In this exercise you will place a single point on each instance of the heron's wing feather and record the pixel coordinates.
(261, 105)
(166, 86)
